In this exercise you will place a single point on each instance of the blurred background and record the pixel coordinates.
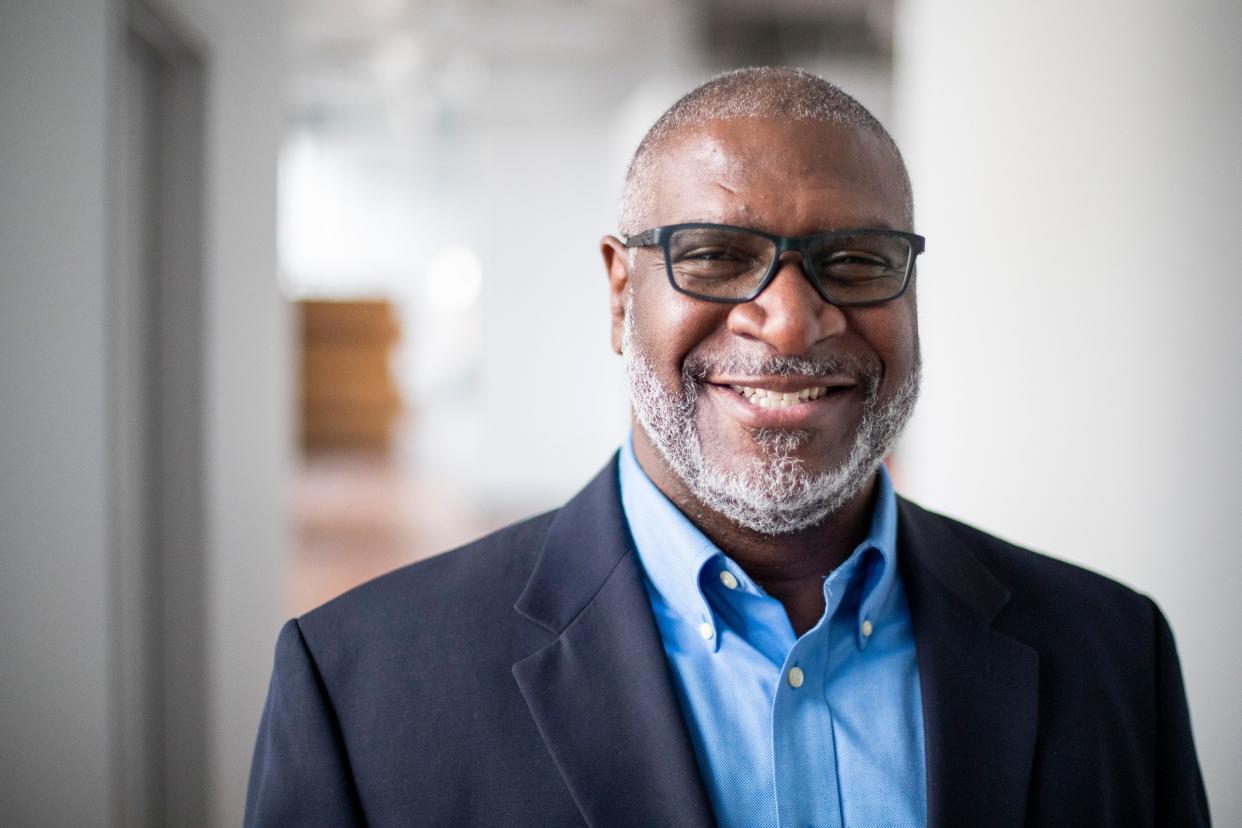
(298, 292)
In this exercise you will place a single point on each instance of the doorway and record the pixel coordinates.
(156, 373)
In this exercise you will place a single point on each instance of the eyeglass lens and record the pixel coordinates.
(723, 263)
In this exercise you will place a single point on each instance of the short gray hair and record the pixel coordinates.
(757, 92)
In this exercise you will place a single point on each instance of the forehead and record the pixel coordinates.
(789, 177)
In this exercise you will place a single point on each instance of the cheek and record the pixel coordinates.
(669, 326)
(892, 333)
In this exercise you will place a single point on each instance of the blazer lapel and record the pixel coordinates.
(601, 694)
(980, 685)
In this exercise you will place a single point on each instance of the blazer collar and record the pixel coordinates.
(601, 693)
(979, 685)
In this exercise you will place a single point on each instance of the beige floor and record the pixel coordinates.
(358, 515)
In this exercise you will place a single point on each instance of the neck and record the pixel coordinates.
(792, 567)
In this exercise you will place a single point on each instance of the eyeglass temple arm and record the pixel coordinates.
(643, 239)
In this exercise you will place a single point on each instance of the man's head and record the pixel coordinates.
(774, 412)
(764, 92)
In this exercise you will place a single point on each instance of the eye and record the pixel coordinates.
(854, 257)
(854, 264)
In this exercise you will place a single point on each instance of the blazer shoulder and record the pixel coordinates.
(1045, 590)
(1030, 567)
(468, 584)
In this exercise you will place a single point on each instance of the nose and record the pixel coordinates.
(789, 316)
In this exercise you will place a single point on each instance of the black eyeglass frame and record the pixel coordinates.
(660, 236)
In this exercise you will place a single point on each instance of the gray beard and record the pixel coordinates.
(773, 494)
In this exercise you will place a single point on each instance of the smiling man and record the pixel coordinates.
(738, 622)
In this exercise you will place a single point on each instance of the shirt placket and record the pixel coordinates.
(803, 742)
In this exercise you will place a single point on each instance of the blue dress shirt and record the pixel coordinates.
(821, 730)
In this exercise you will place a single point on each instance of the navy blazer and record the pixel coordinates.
(521, 681)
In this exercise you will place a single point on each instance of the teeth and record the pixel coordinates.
(778, 399)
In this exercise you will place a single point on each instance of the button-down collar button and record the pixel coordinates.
(795, 677)
(705, 630)
(727, 578)
(867, 628)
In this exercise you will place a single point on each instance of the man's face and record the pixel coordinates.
(695, 366)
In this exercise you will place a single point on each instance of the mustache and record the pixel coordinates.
(867, 373)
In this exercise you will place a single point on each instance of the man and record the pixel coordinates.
(738, 621)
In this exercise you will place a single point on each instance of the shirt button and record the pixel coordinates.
(867, 628)
(726, 578)
(705, 630)
(795, 677)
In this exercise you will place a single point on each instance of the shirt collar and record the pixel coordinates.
(676, 555)
(673, 551)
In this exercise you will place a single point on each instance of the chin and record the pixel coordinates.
(774, 491)
(741, 449)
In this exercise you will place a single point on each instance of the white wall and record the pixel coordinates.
(55, 64)
(550, 383)
(1076, 172)
(54, 679)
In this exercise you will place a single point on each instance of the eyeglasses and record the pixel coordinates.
(722, 263)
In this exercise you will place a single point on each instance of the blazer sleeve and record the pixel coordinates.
(1180, 796)
(300, 774)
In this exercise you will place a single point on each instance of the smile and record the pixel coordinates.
(765, 398)
(787, 401)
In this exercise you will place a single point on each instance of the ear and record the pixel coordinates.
(617, 263)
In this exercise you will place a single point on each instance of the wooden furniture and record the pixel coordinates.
(349, 399)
